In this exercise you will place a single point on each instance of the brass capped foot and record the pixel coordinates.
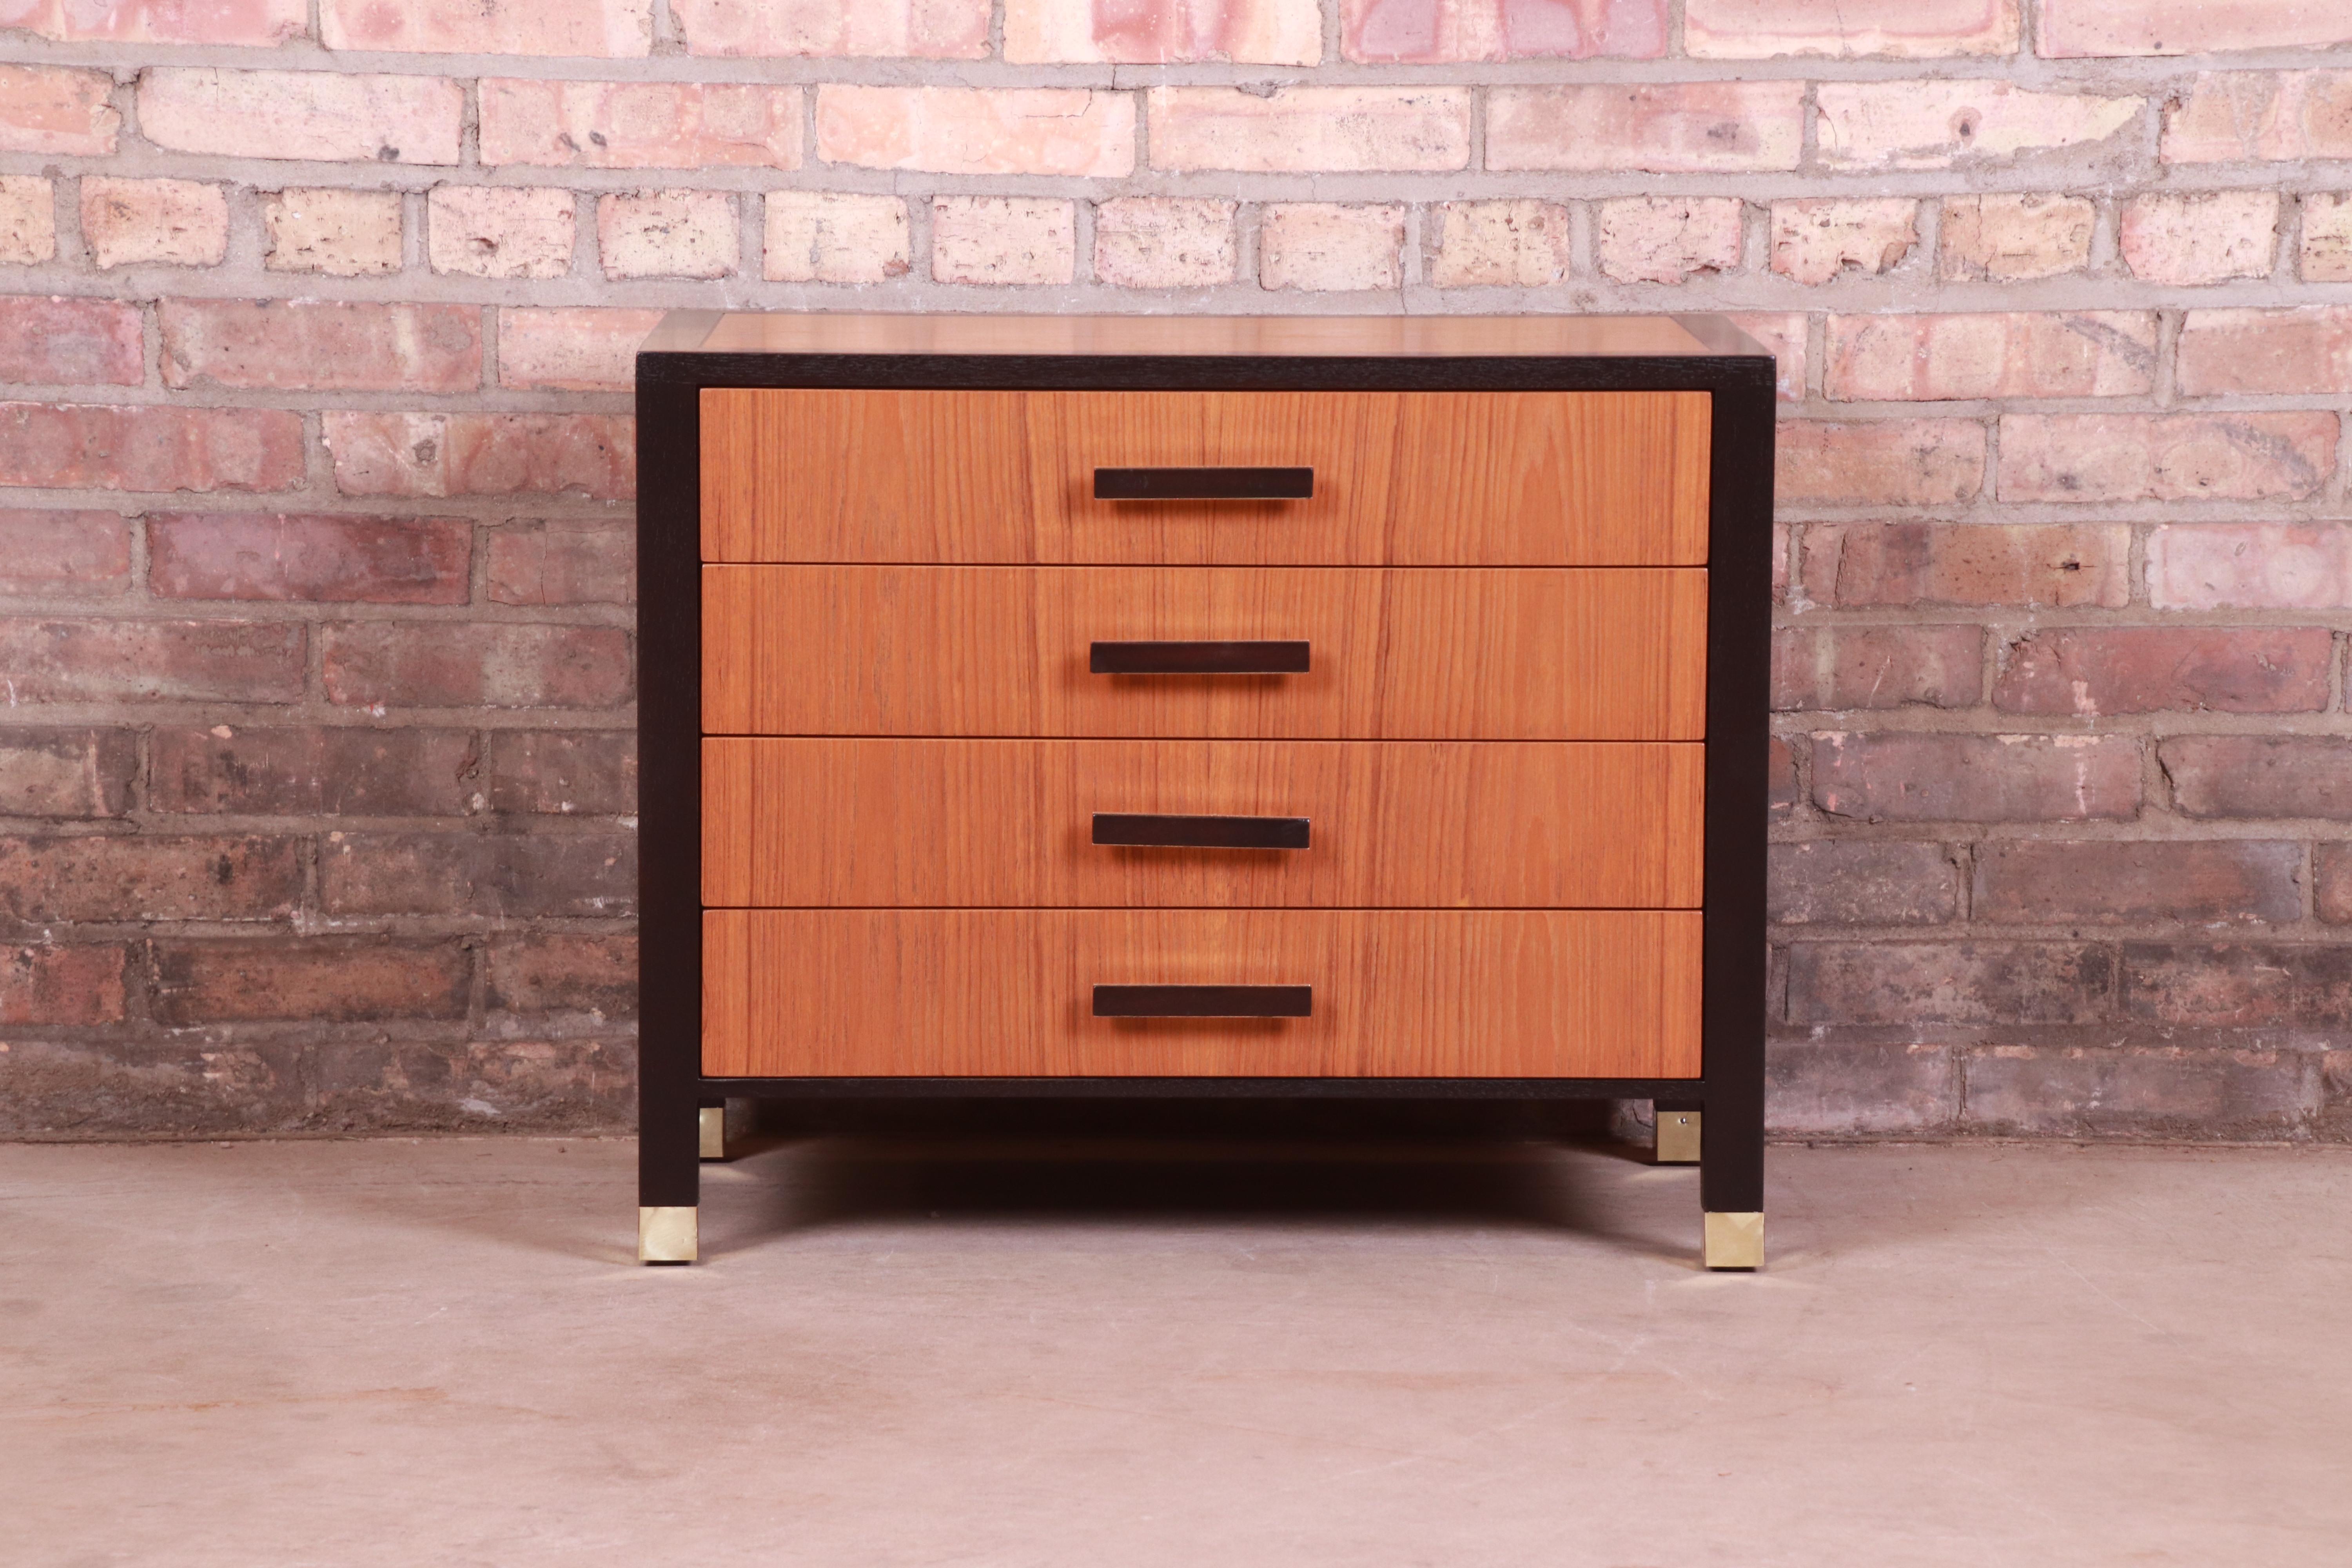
(1734, 1241)
(713, 1125)
(1678, 1142)
(667, 1234)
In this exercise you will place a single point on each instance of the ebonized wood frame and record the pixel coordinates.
(1731, 1089)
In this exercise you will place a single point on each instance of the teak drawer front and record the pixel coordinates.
(1521, 478)
(1409, 994)
(1517, 654)
(1424, 824)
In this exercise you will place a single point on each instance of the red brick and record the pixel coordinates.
(70, 342)
(483, 454)
(2250, 565)
(2200, 237)
(164, 21)
(2259, 775)
(55, 110)
(329, 980)
(1780, 767)
(308, 557)
(2331, 879)
(2298, 986)
(312, 771)
(176, 223)
(2087, 353)
(327, 345)
(1072, 132)
(593, 974)
(589, 773)
(411, 664)
(581, 349)
(118, 448)
(2062, 566)
(494, 876)
(315, 113)
(2165, 457)
(1817, 241)
(1702, 127)
(1865, 882)
(1441, 32)
(1909, 984)
(1834, 1088)
(52, 660)
(2095, 672)
(1905, 29)
(66, 772)
(1883, 462)
(2158, 1092)
(2306, 351)
(565, 1086)
(612, 29)
(928, 29)
(2273, 115)
(640, 125)
(2085, 27)
(1876, 667)
(147, 877)
(563, 563)
(2055, 882)
(1935, 124)
(79, 986)
(64, 555)
(1893, 777)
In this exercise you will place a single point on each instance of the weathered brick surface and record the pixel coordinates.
(1432, 32)
(1165, 242)
(497, 231)
(833, 236)
(1716, 127)
(2271, 115)
(320, 980)
(1004, 240)
(1906, 29)
(64, 555)
(2324, 257)
(1913, 982)
(1895, 777)
(153, 447)
(560, 974)
(927, 30)
(1245, 32)
(2062, 566)
(586, 348)
(1883, 462)
(2076, 27)
(66, 772)
(640, 125)
(1665, 239)
(29, 219)
(2305, 985)
(1830, 1087)
(2013, 237)
(562, 562)
(2260, 775)
(977, 131)
(2306, 350)
(668, 234)
(53, 660)
(1933, 124)
(91, 343)
(178, 223)
(592, 455)
(81, 985)
(257, 22)
(342, 233)
(2208, 238)
(615, 29)
(114, 878)
(1323, 246)
(2331, 882)
(2093, 672)
(2250, 565)
(1337, 130)
(416, 664)
(1876, 667)
(329, 559)
(2068, 882)
(333, 347)
(2180, 456)
(314, 771)
(1815, 241)
(2159, 1091)
(564, 773)
(499, 876)
(2089, 353)
(55, 109)
(1872, 882)
(318, 114)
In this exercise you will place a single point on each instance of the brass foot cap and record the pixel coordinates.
(1678, 1142)
(667, 1234)
(713, 1128)
(1734, 1241)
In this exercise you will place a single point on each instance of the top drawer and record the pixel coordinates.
(1402, 478)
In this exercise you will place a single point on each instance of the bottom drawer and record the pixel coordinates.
(1009, 993)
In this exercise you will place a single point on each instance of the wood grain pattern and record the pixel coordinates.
(1568, 655)
(1528, 478)
(1247, 337)
(1418, 993)
(1400, 824)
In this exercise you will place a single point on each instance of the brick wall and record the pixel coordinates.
(315, 639)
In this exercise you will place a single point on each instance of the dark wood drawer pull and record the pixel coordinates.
(1204, 1001)
(1201, 832)
(1204, 484)
(1198, 659)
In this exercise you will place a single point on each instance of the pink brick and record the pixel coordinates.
(594, 455)
(1439, 32)
(1664, 240)
(2010, 238)
(2207, 237)
(262, 22)
(608, 29)
(65, 554)
(1165, 242)
(835, 236)
(315, 343)
(929, 30)
(1935, 124)
(2165, 457)
(1889, 777)
(2086, 353)
(1907, 564)
(2075, 27)
(152, 448)
(53, 660)
(581, 349)
(1784, 336)
(2250, 566)
(1002, 240)
(1835, 667)
(29, 219)
(1325, 246)
(1701, 127)
(978, 131)
(2306, 351)
(88, 343)
(414, 664)
(2327, 252)
(1336, 129)
(668, 233)
(180, 223)
(2092, 672)
(1166, 32)
(1904, 29)
(1814, 241)
(495, 231)
(53, 110)
(314, 114)
(2271, 115)
(308, 557)
(640, 125)
(1881, 462)
(1504, 245)
(342, 233)
(560, 563)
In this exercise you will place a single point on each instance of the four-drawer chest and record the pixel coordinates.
(1142, 705)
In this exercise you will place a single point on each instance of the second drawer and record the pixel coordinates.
(813, 822)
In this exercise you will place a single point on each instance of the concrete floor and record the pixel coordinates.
(353, 1353)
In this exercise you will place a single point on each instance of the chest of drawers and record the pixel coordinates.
(1269, 706)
